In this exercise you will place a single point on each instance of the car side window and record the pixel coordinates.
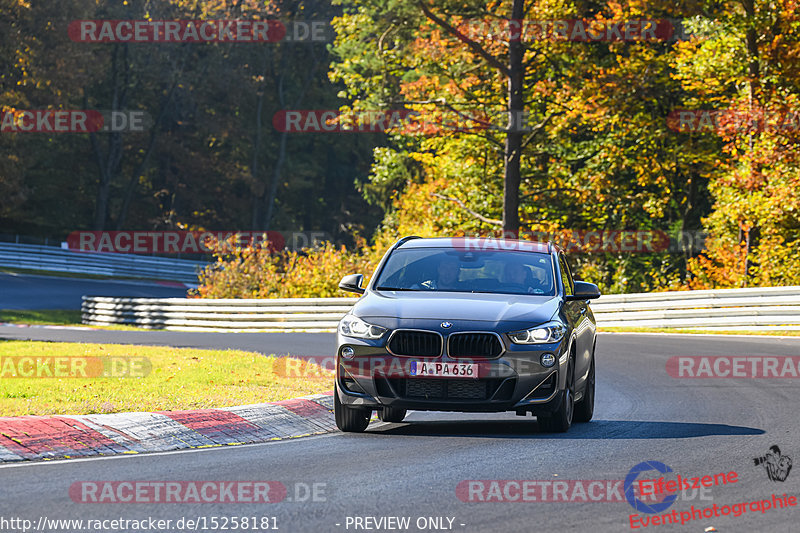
(566, 277)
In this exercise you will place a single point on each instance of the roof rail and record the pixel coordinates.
(404, 240)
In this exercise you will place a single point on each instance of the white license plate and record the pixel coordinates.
(444, 370)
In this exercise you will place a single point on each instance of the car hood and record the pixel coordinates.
(481, 307)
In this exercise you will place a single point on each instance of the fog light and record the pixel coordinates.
(548, 360)
(348, 352)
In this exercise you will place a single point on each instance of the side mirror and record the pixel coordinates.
(584, 291)
(352, 283)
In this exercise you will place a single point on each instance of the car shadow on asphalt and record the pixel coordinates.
(594, 430)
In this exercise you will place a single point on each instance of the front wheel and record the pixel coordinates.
(561, 420)
(349, 419)
(391, 414)
(584, 409)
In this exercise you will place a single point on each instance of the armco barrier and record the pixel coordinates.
(52, 259)
(776, 308)
(306, 314)
(758, 308)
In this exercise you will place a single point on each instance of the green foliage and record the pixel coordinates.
(256, 272)
(755, 222)
(391, 170)
(598, 152)
(210, 158)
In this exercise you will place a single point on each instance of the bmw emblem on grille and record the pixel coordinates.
(447, 325)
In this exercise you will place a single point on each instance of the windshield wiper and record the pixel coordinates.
(395, 289)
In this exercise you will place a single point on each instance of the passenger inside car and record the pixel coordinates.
(531, 279)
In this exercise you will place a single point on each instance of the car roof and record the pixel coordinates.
(477, 244)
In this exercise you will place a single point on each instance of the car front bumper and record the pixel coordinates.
(373, 378)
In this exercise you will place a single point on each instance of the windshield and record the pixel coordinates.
(448, 270)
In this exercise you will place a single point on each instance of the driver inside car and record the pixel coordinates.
(447, 276)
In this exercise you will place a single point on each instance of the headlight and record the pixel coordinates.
(544, 334)
(352, 326)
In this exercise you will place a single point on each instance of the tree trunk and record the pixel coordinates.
(753, 73)
(276, 178)
(513, 144)
(255, 221)
(140, 170)
(109, 162)
(269, 203)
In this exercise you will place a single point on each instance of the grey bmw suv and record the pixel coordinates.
(469, 325)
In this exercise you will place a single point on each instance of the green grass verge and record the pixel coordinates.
(59, 317)
(789, 333)
(179, 378)
(55, 317)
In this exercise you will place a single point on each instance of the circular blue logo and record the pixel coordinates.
(630, 481)
(447, 325)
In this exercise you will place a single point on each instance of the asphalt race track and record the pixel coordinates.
(26, 291)
(299, 344)
(697, 427)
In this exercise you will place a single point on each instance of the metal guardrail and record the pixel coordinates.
(752, 309)
(185, 314)
(52, 259)
(776, 308)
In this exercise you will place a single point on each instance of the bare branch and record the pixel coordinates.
(475, 47)
(536, 129)
(554, 189)
(492, 221)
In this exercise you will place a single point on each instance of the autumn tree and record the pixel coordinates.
(745, 67)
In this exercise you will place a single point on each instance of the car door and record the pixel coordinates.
(577, 314)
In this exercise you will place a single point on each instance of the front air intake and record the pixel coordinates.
(414, 343)
(480, 345)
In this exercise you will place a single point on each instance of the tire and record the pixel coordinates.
(391, 414)
(584, 409)
(350, 419)
(561, 420)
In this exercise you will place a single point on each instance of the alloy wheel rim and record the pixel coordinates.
(570, 393)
